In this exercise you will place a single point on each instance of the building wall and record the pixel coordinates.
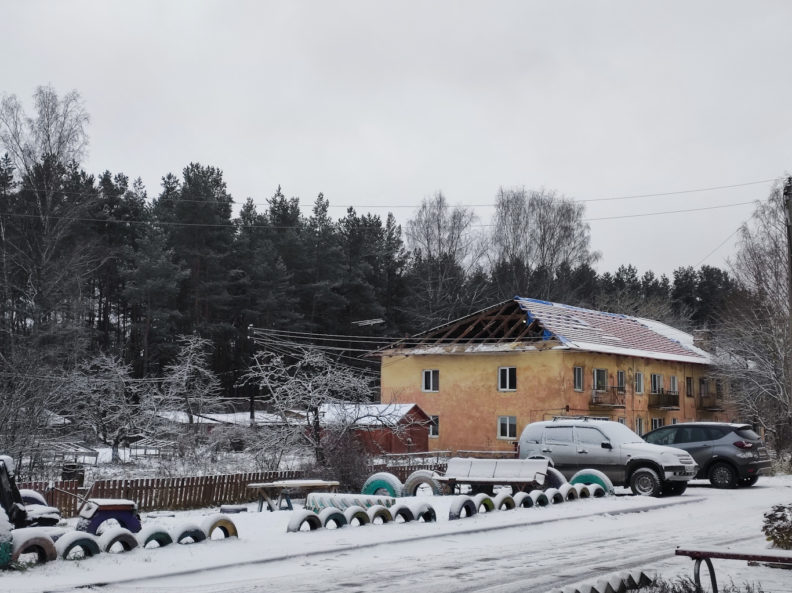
(468, 403)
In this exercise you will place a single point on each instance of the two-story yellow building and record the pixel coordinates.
(482, 378)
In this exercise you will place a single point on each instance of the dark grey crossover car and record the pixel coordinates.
(728, 454)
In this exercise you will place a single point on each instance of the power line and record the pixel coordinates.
(703, 259)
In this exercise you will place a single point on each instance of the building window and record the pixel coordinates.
(718, 388)
(600, 379)
(703, 386)
(507, 427)
(657, 383)
(507, 378)
(620, 381)
(674, 386)
(431, 380)
(639, 383)
(674, 420)
(657, 423)
(622, 420)
(639, 425)
(578, 378)
(434, 426)
(689, 386)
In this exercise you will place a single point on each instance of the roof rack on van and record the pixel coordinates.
(584, 418)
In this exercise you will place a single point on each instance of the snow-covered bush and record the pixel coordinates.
(777, 526)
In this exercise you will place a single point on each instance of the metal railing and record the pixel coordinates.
(664, 399)
(612, 396)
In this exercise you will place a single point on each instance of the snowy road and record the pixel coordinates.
(533, 550)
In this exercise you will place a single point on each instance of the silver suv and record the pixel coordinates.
(612, 448)
(728, 454)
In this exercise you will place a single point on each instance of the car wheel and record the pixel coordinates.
(674, 488)
(749, 481)
(645, 482)
(722, 475)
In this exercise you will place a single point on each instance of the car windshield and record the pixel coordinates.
(619, 433)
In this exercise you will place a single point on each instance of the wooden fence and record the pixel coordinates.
(186, 492)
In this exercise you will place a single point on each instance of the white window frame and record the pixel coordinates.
(509, 422)
(689, 390)
(656, 383)
(434, 427)
(674, 420)
(639, 383)
(597, 387)
(657, 423)
(504, 378)
(621, 381)
(577, 378)
(639, 430)
(434, 380)
(673, 384)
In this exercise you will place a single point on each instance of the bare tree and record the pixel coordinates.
(306, 384)
(536, 231)
(104, 398)
(189, 384)
(753, 341)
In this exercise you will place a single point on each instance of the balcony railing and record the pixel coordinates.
(664, 399)
(609, 397)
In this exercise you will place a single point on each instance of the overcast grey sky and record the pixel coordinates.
(381, 104)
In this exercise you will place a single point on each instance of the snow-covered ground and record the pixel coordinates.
(528, 550)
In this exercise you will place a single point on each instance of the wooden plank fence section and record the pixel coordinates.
(185, 492)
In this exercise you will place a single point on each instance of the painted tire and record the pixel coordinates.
(569, 492)
(462, 504)
(484, 500)
(380, 512)
(523, 500)
(421, 477)
(554, 478)
(593, 476)
(539, 498)
(402, 511)
(191, 531)
(154, 534)
(117, 535)
(334, 516)
(383, 481)
(596, 491)
(221, 522)
(583, 491)
(43, 547)
(356, 513)
(554, 496)
(32, 497)
(424, 512)
(503, 502)
(303, 517)
(88, 543)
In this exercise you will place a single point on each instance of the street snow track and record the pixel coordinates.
(526, 550)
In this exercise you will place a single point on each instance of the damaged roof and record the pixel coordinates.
(523, 324)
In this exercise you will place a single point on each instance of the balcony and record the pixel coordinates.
(608, 397)
(667, 400)
(710, 403)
